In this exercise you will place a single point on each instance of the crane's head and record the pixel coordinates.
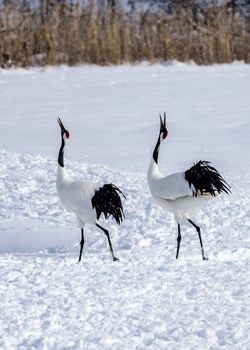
(163, 129)
(64, 132)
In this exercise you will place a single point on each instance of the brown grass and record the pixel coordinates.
(97, 33)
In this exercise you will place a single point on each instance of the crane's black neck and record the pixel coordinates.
(61, 153)
(156, 150)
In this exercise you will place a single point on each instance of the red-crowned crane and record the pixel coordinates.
(184, 192)
(87, 200)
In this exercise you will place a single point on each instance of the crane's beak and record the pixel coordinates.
(163, 123)
(163, 126)
(63, 130)
(61, 124)
(161, 120)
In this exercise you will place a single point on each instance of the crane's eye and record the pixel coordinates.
(67, 134)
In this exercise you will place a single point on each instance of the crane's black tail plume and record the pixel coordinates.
(206, 179)
(107, 201)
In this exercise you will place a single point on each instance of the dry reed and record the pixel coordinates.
(97, 33)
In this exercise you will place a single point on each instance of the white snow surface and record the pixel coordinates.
(148, 300)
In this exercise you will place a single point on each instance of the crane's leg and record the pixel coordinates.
(199, 233)
(178, 241)
(81, 245)
(110, 244)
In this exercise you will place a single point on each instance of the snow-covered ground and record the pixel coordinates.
(148, 300)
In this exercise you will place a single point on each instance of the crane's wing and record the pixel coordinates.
(80, 194)
(173, 186)
(107, 201)
(206, 179)
(201, 179)
(104, 199)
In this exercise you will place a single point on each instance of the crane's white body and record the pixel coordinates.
(87, 200)
(173, 194)
(184, 192)
(76, 197)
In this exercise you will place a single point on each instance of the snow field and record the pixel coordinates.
(148, 300)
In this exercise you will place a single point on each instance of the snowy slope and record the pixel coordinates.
(112, 113)
(148, 300)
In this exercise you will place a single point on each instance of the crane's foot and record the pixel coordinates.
(115, 259)
(205, 259)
